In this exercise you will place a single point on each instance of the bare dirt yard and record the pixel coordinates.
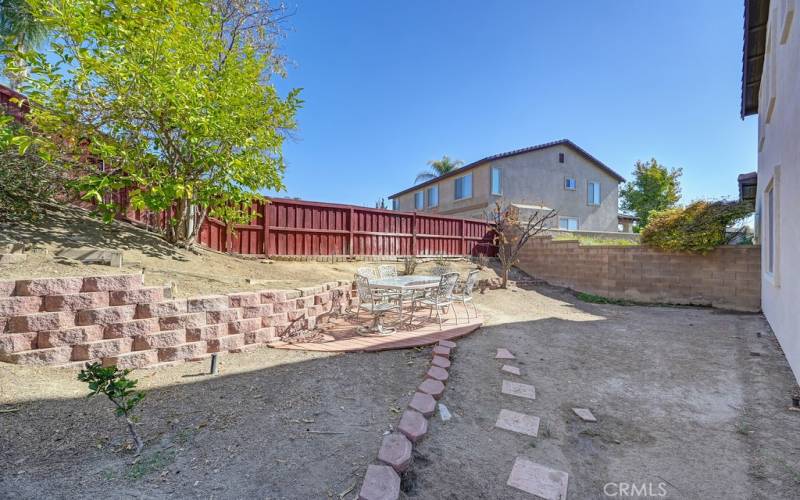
(196, 272)
(689, 398)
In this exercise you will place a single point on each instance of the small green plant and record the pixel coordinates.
(116, 385)
(597, 299)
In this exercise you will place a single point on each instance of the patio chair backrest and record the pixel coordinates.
(446, 285)
(387, 271)
(364, 291)
(368, 272)
(472, 279)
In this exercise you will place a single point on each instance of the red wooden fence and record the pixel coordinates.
(293, 227)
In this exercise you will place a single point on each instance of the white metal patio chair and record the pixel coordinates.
(464, 294)
(438, 298)
(387, 271)
(375, 305)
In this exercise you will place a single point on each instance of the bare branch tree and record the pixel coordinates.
(512, 231)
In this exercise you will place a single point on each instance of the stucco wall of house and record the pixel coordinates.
(535, 178)
(779, 168)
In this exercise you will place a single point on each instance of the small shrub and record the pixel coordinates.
(119, 389)
(441, 266)
(409, 265)
(481, 261)
(700, 227)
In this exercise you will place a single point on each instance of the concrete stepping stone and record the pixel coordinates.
(441, 362)
(585, 414)
(396, 451)
(538, 480)
(518, 422)
(433, 387)
(413, 424)
(423, 403)
(510, 369)
(381, 482)
(503, 353)
(447, 343)
(520, 390)
(437, 373)
(441, 351)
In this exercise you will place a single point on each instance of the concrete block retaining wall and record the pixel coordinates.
(117, 320)
(728, 277)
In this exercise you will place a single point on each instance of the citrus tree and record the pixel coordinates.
(654, 187)
(171, 99)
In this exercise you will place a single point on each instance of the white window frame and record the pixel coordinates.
(455, 187)
(574, 184)
(567, 219)
(499, 191)
(434, 188)
(771, 240)
(419, 200)
(589, 189)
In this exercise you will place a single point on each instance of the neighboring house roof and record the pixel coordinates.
(13, 108)
(562, 142)
(748, 186)
(756, 13)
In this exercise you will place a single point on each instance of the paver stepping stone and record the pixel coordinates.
(440, 362)
(510, 369)
(585, 414)
(538, 480)
(423, 403)
(413, 424)
(503, 353)
(396, 451)
(433, 387)
(381, 482)
(437, 373)
(520, 390)
(441, 351)
(518, 422)
(447, 343)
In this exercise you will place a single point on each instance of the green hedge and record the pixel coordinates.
(699, 227)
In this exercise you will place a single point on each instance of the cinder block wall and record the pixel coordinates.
(116, 320)
(728, 277)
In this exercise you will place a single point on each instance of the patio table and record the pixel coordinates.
(413, 283)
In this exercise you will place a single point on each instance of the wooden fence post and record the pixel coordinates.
(228, 237)
(463, 241)
(414, 249)
(351, 228)
(266, 228)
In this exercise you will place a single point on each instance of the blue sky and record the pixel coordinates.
(391, 85)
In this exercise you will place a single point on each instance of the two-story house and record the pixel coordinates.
(557, 175)
(771, 89)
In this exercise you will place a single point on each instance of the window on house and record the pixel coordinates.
(570, 184)
(419, 200)
(497, 184)
(593, 193)
(560, 157)
(463, 187)
(395, 204)
(568, 223)
(433, 196)
(770, 236)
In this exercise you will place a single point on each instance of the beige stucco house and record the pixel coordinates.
(558, 175)
(771, 89)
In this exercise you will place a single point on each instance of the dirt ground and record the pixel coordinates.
(275, 424)
(691, 398)
(199, 272)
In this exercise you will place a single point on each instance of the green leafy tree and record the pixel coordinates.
(438, 168)
(119, 389)
(173, 97)
(19, 31)
(655, 187)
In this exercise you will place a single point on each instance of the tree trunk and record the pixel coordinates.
(136, 438)
(505, 277)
